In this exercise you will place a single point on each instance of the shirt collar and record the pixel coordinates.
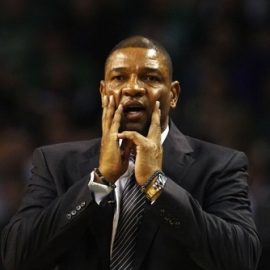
(164, 134)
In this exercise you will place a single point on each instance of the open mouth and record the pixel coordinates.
(133, 110)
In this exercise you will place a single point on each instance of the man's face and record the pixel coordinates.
(137, 78)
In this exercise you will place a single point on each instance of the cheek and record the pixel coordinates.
(155, 94)
(164, 105)
(160, 95)
(115, 93)
(164, 97)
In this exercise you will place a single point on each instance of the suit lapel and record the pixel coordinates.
(177, 156)
(176, 161)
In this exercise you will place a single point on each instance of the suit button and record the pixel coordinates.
(73, 212)
(171, 222)
(68, 216)
(78, 207)
(83, 203)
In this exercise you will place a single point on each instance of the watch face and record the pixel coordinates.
(156, 186)
(152, 191)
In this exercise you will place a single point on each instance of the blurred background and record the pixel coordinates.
(51, 61)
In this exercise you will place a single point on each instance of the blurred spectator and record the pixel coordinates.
(15, 150)
(51, 58)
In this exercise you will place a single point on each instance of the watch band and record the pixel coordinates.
(154, 187)
(99, 178)
(150, 179)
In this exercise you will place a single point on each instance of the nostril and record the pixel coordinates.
(133, 91)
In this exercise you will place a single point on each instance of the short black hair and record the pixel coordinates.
(143, 42)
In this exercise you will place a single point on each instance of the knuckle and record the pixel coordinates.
(151, 145)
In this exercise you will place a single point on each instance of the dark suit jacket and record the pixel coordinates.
(202, 220)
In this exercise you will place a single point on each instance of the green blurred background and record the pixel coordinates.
(51, 61)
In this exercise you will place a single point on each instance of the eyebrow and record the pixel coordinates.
(145, 69)
(118, 69)
(154, 70)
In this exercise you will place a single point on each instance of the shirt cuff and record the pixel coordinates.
(100, 191)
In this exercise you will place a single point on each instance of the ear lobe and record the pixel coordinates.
(173, 104)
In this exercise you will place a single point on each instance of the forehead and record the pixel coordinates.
(136, 58)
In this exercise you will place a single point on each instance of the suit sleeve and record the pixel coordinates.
(46, 223)
(220, 233)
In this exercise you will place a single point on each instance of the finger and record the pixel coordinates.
(109, 113)
(133, 136)
(104, 112)
(154, 132)
(117, 119)
(104, 101)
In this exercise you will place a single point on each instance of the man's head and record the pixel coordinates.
(138, 72)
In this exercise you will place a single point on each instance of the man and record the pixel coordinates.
(193, 211)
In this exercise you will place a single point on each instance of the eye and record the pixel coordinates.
(151, 78)
(118, 78)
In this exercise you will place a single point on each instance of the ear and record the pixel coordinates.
(102, 89)
(175, 93)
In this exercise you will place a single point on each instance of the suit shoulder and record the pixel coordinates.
(214, 151)
(69, 148)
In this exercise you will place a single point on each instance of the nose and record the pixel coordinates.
(133, 87)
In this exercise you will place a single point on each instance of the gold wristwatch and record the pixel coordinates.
(154, 187)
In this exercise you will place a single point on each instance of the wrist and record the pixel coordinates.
(106, 173)
(101, 179)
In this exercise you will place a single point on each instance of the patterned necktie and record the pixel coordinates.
(131, 211)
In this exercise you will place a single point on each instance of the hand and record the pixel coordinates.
(113, 160)
(149, 149)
